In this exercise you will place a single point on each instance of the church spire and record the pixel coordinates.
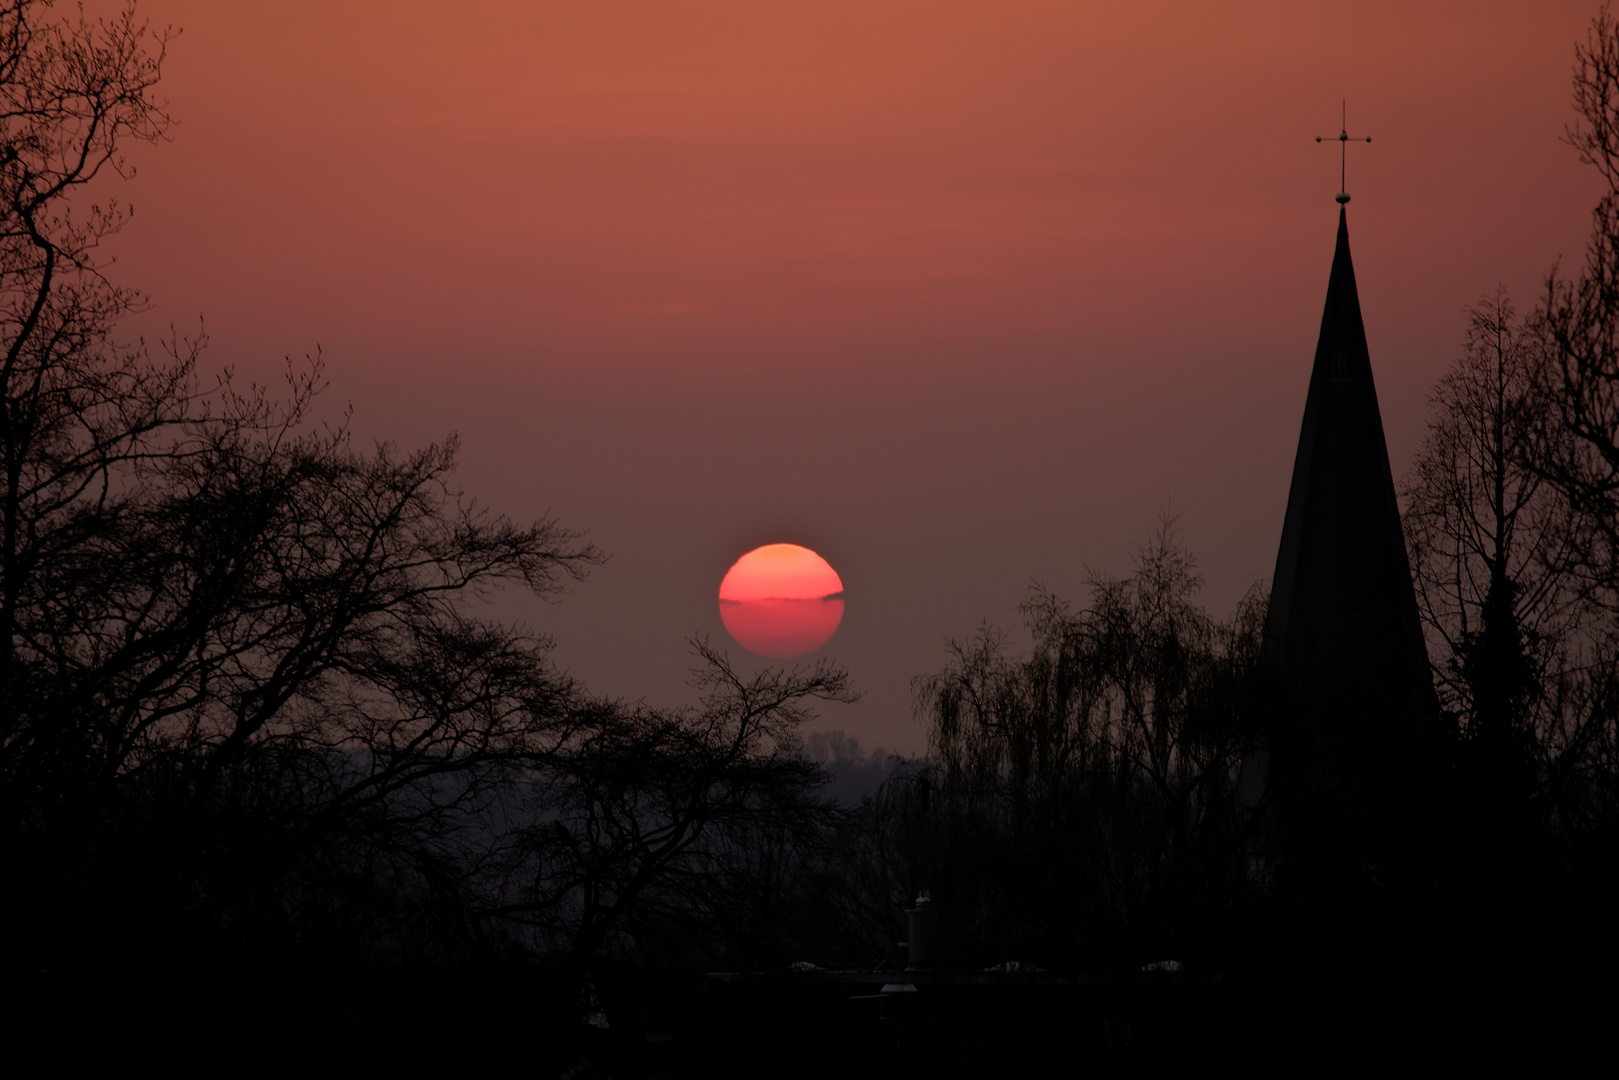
(1343, 640)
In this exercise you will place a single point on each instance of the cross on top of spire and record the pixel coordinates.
(1343, 150)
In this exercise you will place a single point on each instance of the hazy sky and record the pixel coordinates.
(960, 295)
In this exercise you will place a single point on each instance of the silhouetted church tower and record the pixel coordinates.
(1353, 704)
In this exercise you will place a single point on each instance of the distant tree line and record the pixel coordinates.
(253, 718)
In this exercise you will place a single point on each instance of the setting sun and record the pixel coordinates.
(781, 600)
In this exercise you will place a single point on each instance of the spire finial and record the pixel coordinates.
(1343, 150)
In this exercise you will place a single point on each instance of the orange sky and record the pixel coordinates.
(960, 295)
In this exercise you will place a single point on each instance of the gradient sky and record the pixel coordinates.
(960, 295)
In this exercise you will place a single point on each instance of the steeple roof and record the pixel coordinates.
(1342, 635)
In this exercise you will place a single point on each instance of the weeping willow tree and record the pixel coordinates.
(1078, 803)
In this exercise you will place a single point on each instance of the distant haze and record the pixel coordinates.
(959, 295)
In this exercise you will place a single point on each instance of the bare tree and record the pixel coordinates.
(232, 647)
(77, 406)
(645, 816)
(1497, 550)
(1578, 443)
(1579, 317)
(1077, 804)
(1518, 636)
(1513, 527)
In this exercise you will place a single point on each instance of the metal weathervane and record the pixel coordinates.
(1343, 148)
